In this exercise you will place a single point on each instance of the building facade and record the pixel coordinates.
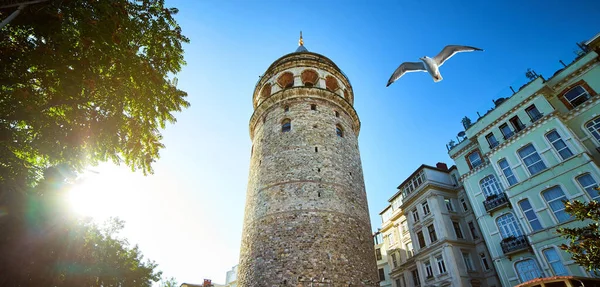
(523, 157)
(383, 266)
(306, 217)
(431, 235)
(231, 277)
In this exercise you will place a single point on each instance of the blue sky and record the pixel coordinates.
(188, 215)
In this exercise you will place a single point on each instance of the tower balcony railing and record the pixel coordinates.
(514, 244)
(495, 201)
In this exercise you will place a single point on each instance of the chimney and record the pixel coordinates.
(441, 165)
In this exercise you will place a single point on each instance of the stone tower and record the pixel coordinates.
(306, 216)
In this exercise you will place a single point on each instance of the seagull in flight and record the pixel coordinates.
(431, 65)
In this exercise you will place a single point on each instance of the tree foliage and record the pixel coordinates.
(86, 81)
(43, 244)
(169, 282)
(584, 244)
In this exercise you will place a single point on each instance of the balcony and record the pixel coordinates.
(514, 244)
(495, 201)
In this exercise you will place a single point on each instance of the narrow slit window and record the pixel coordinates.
(313, 107)
(286, 108)
(286, 125)
(337, 114)
(339, 131)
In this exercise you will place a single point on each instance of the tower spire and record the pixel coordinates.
(301, 41)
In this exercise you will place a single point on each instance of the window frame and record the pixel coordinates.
(551, 209)
(528, 155)
(339, 130)
(378, 255)
(521, 278)
(517, 124)
(441, 264)
(532, 212)
(484, 262)
(449, 205)
(473, 230)
(585, 188)
(551, 263)
(493, 143)
(431, 231)
(464, 204)
(286, 125)
(468, 158)
(425, 207)
(559, 139)
(428, 269)
(586, 93)
(468, 261)
(533, 116)
(381, 274)
(504, 169)
(595, 124)
(509, 229)
(415, 215)
(508, 135)
(457, 230)
(490, 187)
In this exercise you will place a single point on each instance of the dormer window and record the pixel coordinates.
(577, 96)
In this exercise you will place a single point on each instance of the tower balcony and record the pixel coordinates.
(514, 244)
(495, 201)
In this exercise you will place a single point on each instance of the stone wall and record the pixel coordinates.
(306, 214)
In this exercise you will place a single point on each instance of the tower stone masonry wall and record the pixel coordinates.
(306, 215)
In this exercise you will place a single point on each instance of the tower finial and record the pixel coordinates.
(301, 41)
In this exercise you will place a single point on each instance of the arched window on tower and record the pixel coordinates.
(266, 91)
(286, 80)
(309, 77)
(339, 131)
(286, 125)
(331, 84)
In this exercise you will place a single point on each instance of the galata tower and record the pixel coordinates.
(306, 220)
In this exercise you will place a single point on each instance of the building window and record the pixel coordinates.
(531, 159)
(339, 131)
(286, 125)
(484, 261)
(577, 96)
(554, 262)
(473, 230)
(378, 254)
(398, 284)
(559, 145)
(517, 124)
(490, 186)
(415, 214)
(413, 184)
(286, 109)
(404, 225)
(534, 113)
(527, 209)
(449, 205)
(491, 139)
(286, 80)
(441, 265)
(593, 127)
(508, 226)
(309, 77)
(421, 239)
(266, 91)
(554, 198)
(528, 270)
(337, 114)
(506, 132)
(381, 274)
(474, 159)
(457, 230)
(464, 204)
(428, 269)
(331, 83)
(390, 239)
(432, 235)
(409, 249)
(394, 260)
(313, 107)
(426, 209)
(468, 262)
(416, 279)
(507, 172)
(589, 184)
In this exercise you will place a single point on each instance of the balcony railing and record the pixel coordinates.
(513, 244)
(495, 201)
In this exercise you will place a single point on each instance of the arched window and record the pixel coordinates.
(528, 270)
(286, 80)
(593, 127)
(286, 125)
(588, 183)
(266, 91)
(508, 226)
(309, 77)
(331, 83)
(339, 131)
(554, 197)
(576, 96)
(490, 186)
(553, 259)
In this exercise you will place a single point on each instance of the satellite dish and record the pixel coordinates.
(461, 134)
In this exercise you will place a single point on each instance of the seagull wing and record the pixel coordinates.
(405, 68)
(450, 50)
